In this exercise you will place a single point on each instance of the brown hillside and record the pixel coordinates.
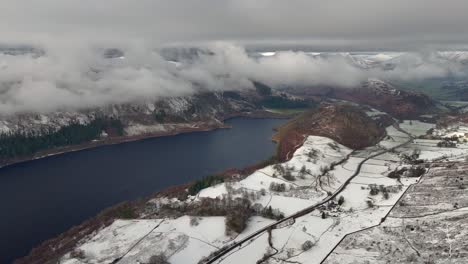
(378, 94)
(344, 123)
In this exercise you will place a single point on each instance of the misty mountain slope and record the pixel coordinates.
(201, 71)
(25, 136)
(192, 109)
(441, 75)
(167, 116)
(377, 94)
(390, 99)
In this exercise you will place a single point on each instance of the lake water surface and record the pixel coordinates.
(42, 198)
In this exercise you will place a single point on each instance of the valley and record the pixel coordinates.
(59, 192)
(325, 195)
(346, 161)
(233, 132)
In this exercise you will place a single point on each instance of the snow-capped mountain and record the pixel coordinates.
(369, 60)
(458, 56)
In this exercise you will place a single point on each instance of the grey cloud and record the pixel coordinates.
(70, 71)
(339, 23)
(77, 77)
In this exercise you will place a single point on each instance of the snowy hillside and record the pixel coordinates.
(317, 169)
(298, 211)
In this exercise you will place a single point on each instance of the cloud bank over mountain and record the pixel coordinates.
(367, 24)
(81, 78)
(72, 73)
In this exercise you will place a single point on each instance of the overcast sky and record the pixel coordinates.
(72, 73)
(389, 24)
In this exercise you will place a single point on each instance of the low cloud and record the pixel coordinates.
(70, 71)
(74, 77)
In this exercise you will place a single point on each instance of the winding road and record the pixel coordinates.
(309, 209)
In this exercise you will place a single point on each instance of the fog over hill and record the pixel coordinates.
(75, 78)
(60, 62)
(375, 93)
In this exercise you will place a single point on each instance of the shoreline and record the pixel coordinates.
(189, 128)
(107, 142)
(55, 247)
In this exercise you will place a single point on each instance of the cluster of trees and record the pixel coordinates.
(384, 190)
(285, 172)
(447, 143)
(205, 183)
(262, 89)
(303, 172)
(24, 144)
(288, 176)
(237, 211)
(277, 187)
(307, 245)
(334, 146)
(160, 116)
(324, 215)
(271, 213)
(78, 254)
(375, 190)
(414, 171)
(158, 259)
(237, 218)
(232, 95)
(341, 200)
(214, 253)
(278, 101)
(412, 158)
(312, 156)
(243, 192)
(281, 102)
(396, 174)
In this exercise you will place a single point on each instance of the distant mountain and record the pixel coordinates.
(29, 135)
(20, 50)
(378, 94)
(459, 56)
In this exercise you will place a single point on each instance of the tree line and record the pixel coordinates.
(19, 144)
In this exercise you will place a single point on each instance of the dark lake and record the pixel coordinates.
(42, 198)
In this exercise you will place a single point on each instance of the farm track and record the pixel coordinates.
(307, 210)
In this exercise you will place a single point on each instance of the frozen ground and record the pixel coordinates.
(325, 232)
(457, 130)
(415, 127)
(372, 219)
(428, 225)
(304, 188)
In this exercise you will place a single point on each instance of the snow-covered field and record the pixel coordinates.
(415, 127)
(428, 225)
(307, 188)
(190, 243)
(458, 130)
(353, 215)
(318, 168)
(178, 239)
